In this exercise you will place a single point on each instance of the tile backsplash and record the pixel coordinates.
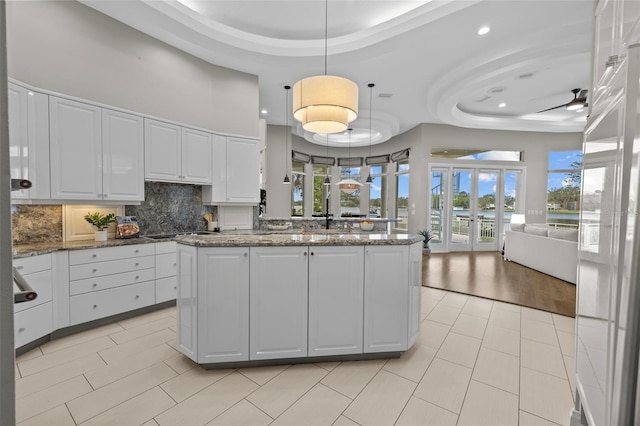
(168, 207)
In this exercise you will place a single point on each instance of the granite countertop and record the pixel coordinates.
(26, 250)
(298, 239)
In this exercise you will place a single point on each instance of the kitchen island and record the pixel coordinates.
(280, 298)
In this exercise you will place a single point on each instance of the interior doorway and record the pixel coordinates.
(470, 205)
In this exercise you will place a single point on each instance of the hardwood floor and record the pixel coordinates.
(487, 274)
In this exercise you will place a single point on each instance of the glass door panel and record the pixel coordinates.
(460, 209)
(438, 193)
(486, 205)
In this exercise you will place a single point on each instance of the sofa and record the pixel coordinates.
(551, 251)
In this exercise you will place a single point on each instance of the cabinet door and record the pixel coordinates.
(162, 151)
(217, 192)
(122, 156)
(76, 150)
(223, 304)
(196, 156)
(278, 302)
(386, 294)
(18, 137)
(336, 279)
(243, 171)
(415, 291)
(186, 301)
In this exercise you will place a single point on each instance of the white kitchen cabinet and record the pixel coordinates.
(76, 150)
(187, 301)
(223, 304)
(336, 278)
(236, 172)
(96, 153)
(34, 319)
(166, 267)
(386, 294)
(29, 141)
(278, 302)
(108, 281)
(177, 154)
(415, 291)
(122, 156)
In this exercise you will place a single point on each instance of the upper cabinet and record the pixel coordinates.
(96, 154)
(29, 141)
(236, 177)
(177, 154)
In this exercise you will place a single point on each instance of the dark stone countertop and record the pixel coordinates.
(298, 239)
(26, 250)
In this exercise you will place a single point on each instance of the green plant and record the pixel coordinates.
(427, 234)
(100, 220)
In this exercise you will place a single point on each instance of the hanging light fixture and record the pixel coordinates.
(286, 179)
(349, 185)
(327, 179)
(325, 103)
(371, 85)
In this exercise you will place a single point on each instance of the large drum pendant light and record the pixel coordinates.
(325, 103)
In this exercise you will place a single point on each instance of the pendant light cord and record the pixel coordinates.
(326, 25)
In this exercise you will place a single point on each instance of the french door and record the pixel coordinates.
(470, 205)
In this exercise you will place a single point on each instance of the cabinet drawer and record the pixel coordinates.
(166, 247)
(41, 282)
(33, 323)
(166, 289)
(77, 257)
(100, 304)
(166, 265)
(110, 281)
(91, 270)
(29, 265)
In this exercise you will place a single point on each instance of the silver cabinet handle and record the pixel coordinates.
(136, 251)
(245, 254)
(94, 255)
(137, 296)
(312, 253)
(95, 270)
(95, 285)
(137, 277)
(95, 306)
(137, 264)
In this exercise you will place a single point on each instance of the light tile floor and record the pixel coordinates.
(476, 362)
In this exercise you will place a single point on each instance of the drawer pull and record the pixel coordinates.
(137, 297)
(137, 264)
(175, 264)
(21, 329)
(137, 277)
(95, 306)
(175, 287)
(95, 270)
(95, 284)
(94, 255)
(136, 251)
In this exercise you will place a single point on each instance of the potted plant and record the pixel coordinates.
(428, 236)
(101, 222)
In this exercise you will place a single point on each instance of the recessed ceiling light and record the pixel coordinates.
(483, 30)
(502, 105)
(263, 111)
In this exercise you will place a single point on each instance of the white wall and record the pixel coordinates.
(421, 140)
(67, 47)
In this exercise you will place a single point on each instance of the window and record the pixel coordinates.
(402, 195)
(378, 191)
(563, 188)
(321, 192)
(350, 203)
(297, 189)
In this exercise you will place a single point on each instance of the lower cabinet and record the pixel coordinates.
(109, 281)
(335, 300)
(278, 300)
(166, 265)
(386, 299)
(273, 302)
(34, 319)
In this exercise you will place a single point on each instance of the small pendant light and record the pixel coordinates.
(286, 179)
(349, 185)
(371, 85)
(327, 179)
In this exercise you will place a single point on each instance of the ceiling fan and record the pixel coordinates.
(578, 101)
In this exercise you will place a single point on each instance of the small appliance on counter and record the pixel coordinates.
(127, 227)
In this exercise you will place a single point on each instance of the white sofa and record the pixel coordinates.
(552, 251)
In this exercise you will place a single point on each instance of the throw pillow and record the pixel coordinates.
(518, 227)
(564, 234)
(535, 230)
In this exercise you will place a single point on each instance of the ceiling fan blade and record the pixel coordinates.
(549, 109)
